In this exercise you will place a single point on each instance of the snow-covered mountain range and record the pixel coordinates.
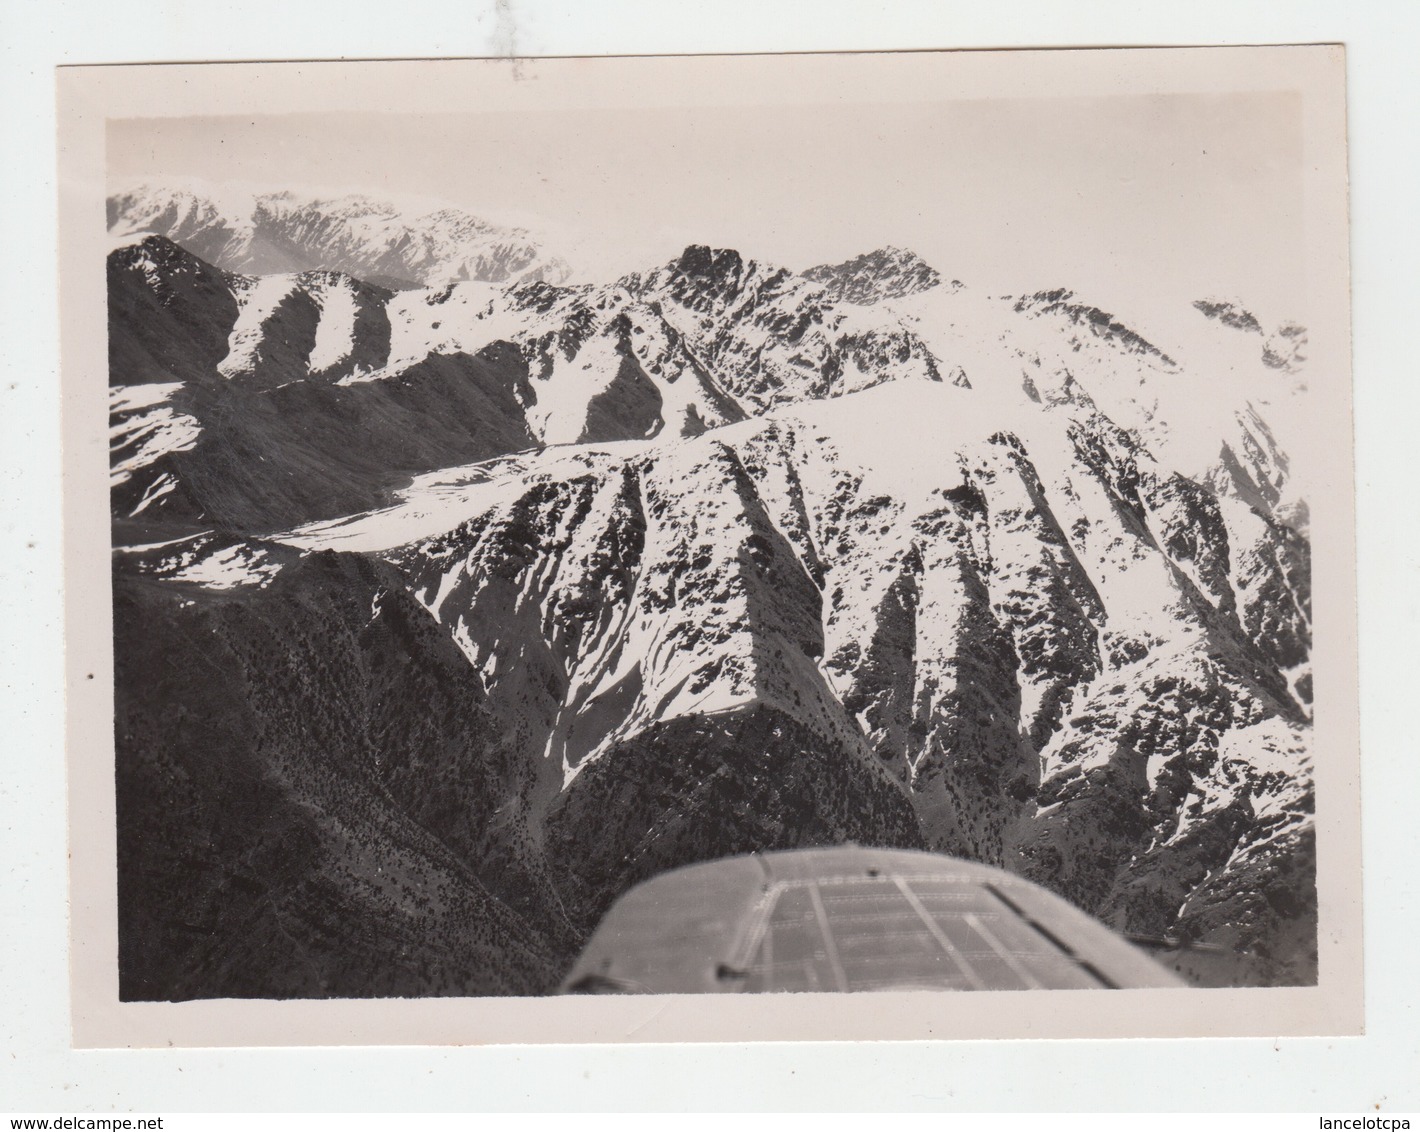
(446, 613)
(381, 241)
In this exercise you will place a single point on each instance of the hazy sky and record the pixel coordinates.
(1179, 195)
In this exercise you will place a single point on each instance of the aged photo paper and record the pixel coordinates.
(549, 536)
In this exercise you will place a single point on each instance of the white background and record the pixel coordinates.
(39, 1073)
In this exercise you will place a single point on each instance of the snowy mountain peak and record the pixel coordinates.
(724, 266)
(155, 255)
(887, 273)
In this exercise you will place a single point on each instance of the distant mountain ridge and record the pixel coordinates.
(479, 602)
(379, 241)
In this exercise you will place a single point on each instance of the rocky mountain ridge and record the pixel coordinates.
(1283, 349)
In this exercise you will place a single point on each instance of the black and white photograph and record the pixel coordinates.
(762, 527)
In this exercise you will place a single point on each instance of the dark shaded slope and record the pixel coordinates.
(169, 314)
(704, 787)
(630, 404)
(269, 459)
(288, 827)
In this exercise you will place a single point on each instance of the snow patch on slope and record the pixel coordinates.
(143, 427)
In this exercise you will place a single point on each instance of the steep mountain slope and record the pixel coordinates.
(1048, 650)
(712, 558)
(279, 836)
